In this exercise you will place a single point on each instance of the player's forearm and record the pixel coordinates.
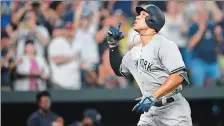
(195, 39)
(173, 81)
(115, 60)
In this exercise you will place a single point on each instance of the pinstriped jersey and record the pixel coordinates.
(152, 64)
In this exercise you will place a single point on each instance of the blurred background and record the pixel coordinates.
(61, 46)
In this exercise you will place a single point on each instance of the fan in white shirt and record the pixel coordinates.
(32, 71)
(64, 57)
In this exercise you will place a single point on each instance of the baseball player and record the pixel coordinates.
(157, 67)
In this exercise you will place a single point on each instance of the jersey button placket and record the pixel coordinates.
(140, 58)
(141, 53)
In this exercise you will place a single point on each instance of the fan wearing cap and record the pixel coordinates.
(91, 117)
(158, 68)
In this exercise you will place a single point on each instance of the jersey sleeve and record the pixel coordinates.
(170, 57)
(124, 64)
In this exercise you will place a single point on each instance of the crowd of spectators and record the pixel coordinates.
(63, 45)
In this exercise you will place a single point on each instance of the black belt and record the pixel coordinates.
(159, 103)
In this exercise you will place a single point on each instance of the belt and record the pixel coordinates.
(163, 101)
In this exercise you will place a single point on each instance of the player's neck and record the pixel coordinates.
(146, 38)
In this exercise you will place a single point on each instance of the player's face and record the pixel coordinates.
(45, 102)
(140, 23)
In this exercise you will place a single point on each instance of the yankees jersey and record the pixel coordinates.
(152, 64)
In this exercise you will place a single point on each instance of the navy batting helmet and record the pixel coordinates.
(155, 19)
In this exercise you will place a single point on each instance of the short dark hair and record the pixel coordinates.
(41, 94)
(55, 4)
(29, 41)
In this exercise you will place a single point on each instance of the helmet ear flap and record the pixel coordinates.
(149, 20)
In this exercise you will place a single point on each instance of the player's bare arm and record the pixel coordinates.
(173, 81)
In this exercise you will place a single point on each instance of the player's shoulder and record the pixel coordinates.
(136, 47)
(163, 42)
(33, 116)
(133, 50)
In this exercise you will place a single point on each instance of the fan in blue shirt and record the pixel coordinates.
(202, 42)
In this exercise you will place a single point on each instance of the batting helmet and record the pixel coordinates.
(155, 19)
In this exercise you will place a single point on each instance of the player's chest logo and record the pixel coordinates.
(143, 65)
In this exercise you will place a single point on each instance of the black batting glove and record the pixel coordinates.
(114, 36)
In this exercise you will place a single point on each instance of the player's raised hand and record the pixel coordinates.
(144, 105)
(114, 36)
